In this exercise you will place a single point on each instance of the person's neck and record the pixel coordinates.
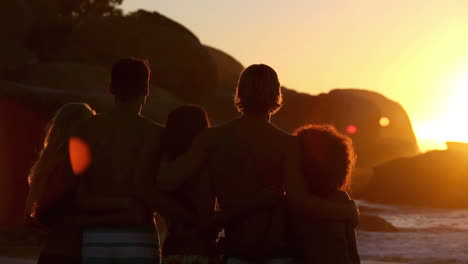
(257, 116)
(128, 107)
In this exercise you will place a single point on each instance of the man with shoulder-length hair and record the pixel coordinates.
(247, 168)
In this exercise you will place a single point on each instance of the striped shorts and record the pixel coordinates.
(232, 260)
(189, 259)
(120, 246)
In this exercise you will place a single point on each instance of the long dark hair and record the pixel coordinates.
(327, 158)
(183, 125)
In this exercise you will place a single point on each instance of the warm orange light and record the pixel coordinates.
(384, 122)
(351, 129)
(80, 155)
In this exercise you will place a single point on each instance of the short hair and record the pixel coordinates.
(327, 158)
(130, 78)
(258, 90)
(183, 125)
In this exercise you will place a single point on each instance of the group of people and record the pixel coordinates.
(118, 188)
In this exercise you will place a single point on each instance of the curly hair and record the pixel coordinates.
(327, 158)
(258, 90)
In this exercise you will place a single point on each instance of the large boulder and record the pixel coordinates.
(433, 179)
(229, 70)
(15, 19)
(69, 77)
(85, 82)
(457, 146)
(14, 56)
(398, 132)
(179, 62)
(373, 223)
(221, 106)
(15, 28)
(356, 113)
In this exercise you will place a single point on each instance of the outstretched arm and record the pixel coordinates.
(302, 201)
(145, 187)
(173, 174)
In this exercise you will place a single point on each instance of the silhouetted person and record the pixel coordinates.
(186, 244)
(327, 160)
(50, 203)
(245, 157)
(122, 144)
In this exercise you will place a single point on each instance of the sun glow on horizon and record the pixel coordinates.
(412, 52)
(453, 124)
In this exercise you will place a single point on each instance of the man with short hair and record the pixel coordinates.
(123, 146)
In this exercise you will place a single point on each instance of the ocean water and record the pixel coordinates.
(426, 236)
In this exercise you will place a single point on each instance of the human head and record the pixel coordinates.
(130, 79)
(258, 90)
(183, 125)
(327, 158)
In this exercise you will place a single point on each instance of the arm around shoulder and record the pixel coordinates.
(298, 194)
(173, 174)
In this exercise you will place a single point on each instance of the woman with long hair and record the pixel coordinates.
(50, 204)
(184, 243)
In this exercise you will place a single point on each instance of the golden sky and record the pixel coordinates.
(412, 51)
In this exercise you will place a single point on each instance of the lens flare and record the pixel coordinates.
(351, 129)
(384, 122)
(80, 155)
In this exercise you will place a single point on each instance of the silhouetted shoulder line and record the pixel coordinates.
(281, 130)
(149, 121)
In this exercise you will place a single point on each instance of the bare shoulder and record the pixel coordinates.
(150, 126)
(150, 123)
(281, 132)
(340, 196)
(216, 131)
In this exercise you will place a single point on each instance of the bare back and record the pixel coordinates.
(116, 142)
(245, 157)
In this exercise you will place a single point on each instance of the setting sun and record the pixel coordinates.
(451, 125)
(455, 118)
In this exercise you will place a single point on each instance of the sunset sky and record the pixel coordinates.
(413, 51)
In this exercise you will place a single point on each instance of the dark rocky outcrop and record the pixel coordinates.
(179, 63)
(360, 108)
(221, 106)
(373, 223)
(15, 27)
(432, 179)
(457, 146)
(229, 70)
